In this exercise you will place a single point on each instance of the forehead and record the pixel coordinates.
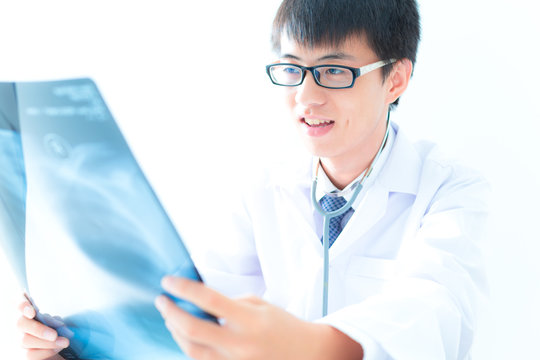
(354, 47)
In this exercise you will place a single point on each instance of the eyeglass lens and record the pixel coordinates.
(330, 76)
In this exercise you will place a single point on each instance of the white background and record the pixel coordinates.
(160, 66)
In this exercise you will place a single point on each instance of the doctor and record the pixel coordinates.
(403, 268)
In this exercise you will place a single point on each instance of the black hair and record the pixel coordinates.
(391, 27)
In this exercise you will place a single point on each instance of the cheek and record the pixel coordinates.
(351, 108)
(360, 107)
(359, 118)
(290, 99)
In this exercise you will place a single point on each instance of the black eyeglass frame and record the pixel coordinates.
(356, 72)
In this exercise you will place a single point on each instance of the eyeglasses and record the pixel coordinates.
(327, 76)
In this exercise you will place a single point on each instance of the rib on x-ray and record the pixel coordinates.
(85, 233)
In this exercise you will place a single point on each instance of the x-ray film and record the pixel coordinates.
(82, 227)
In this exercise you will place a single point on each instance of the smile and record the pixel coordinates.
(313, 127)
(317, 122)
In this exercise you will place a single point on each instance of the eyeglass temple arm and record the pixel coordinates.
(365, 69)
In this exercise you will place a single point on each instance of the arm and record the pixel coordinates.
(428, 311)
(41, 342)
(251, 328)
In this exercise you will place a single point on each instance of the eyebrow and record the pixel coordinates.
(331, 56)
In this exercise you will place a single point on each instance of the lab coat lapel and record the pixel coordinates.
(295, 188)
(400, 173)
(300, 212)
(369, 210)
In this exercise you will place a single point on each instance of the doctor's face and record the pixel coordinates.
(337, 124)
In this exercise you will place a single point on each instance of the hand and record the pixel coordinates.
(251, 328)
(41, 341)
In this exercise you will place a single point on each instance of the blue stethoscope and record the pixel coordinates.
(327, 215)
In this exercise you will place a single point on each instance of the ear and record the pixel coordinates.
(398, 79)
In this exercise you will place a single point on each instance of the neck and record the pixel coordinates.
(344, 169)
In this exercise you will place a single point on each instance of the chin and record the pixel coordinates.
(317, 150)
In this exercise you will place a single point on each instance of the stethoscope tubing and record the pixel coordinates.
(328, 215)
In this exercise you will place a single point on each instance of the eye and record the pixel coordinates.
(334, 71)
(334, 76)
(291, 70)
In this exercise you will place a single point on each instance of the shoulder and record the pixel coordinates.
(448, 182)
(422, 169)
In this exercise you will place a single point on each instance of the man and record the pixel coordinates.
(404, 262)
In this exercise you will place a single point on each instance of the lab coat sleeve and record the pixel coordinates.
(428, 310)
(228, 262)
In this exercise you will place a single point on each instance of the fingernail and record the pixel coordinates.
(62, 342)
(166, 282)
(160, 303)
(49, 335)
(28, 312)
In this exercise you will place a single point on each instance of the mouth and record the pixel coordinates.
(316, 127)
(316, 122)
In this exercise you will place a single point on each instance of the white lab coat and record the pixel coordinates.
(405, 273)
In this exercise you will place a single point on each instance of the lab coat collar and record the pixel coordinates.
(325, 186)
(401, 172)
(394, 176)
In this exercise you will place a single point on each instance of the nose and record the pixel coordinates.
(309, 93)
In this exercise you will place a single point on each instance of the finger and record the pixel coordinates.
(38, 354)
(180, 322)
(36, 329)
(197, 351)
(197, 293)
(27, 309)
(251, 299)
(32, 342)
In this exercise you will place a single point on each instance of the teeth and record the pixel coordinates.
(316, 121)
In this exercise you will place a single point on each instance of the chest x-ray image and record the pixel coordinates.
(85, 233)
